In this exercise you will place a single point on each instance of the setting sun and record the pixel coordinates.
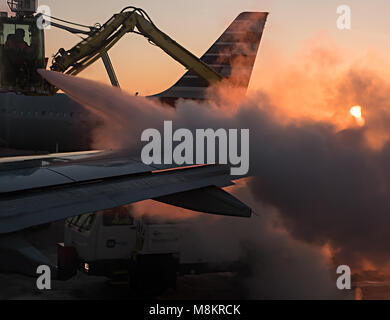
(356, 112)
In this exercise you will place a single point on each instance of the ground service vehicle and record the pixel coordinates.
(115, 244)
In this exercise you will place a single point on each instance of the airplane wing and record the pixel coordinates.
(42, 189)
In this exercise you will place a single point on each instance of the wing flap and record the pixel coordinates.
(209, 200)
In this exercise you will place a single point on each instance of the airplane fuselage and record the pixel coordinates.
(51, 124)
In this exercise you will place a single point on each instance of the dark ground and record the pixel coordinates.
(205, 287)
(15, 286)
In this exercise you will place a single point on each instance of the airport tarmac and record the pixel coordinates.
(84, 287)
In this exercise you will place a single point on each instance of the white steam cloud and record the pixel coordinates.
(323, 183)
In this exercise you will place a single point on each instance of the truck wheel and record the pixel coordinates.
(151, 277)
(147, 285)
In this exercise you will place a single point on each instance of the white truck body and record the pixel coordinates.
(116, 234)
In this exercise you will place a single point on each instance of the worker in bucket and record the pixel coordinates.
(18, 53)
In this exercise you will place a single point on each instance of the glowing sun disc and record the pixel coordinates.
(356, 112)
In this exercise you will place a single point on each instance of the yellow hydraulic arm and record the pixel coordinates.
(103, 38)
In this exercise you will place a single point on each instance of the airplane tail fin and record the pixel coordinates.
(233, 56)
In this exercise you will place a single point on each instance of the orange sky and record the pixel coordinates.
(197, 24)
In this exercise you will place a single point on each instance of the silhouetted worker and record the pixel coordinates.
(17, 52)
(16, 41)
